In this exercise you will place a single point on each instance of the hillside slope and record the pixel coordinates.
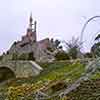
(56, 77)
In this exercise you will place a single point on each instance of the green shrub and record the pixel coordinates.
(1, 57)
(61, 56)
(73, 52)
(88, 55)
(14, 56)
(31, 56)
(23, 56)
(58, 86)
(50, 49)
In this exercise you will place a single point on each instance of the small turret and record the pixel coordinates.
(35, 23)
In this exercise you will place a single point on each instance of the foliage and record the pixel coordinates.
(58, 85)
(73, 48)
(31, 56)
(73, 52)
(95, 49)
(23, 56)
(88, 55)
(1, 57)
(62, 56)
(56, 43)
(14, 56)
(50, 49)
(24, 89)
(88, 90)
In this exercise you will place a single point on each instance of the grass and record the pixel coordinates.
(55, 71)
(52, 72)
(88, 90)
(96, 76)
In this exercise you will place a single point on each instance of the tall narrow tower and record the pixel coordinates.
(35, 32)
(30, 28)
(30, 22)
(31, 32)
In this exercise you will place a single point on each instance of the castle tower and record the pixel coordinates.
(31, 33)
(30, 28)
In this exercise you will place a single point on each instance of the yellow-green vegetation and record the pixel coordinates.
(55, 77)
(96, 76)
(48, 81)
(23, 91)
(88, 90)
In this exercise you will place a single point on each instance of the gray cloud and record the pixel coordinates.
(56, 18)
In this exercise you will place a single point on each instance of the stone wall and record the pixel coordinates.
(22, 69)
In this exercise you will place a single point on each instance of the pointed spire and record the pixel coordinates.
(31, 24)
(31, 19)
(31, 31)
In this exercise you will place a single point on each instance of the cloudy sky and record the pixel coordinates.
(60, 19)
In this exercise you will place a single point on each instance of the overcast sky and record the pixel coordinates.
(60, 19)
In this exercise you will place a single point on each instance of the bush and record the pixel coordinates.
(58, 86)
(73, 52)
(1, 57)
(88, 55)
(14, 56)
(31, 56)
(23, 56)
(61, 56)
(50, 49)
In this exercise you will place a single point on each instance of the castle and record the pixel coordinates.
(29, 44)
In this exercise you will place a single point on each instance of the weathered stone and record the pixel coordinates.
(29, 44)
(22, 69)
